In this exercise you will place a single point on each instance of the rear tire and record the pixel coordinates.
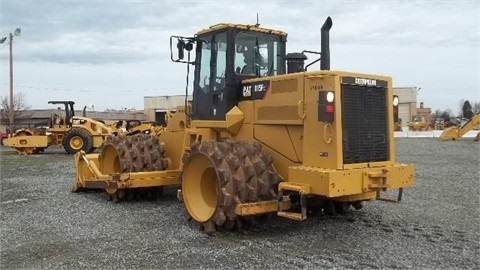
(125, 154)
(77, 139)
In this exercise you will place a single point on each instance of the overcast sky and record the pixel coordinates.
(111, 54)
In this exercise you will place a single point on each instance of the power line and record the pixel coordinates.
(83, 90)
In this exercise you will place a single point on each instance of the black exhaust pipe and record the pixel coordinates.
(325, 44)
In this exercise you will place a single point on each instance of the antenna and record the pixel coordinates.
(257, 24)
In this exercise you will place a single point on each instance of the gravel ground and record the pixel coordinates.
(44, 226)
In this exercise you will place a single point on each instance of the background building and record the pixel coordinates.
(155, 107)
(426, 113)
(407, 106)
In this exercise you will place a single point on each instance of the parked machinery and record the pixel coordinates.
(418, 123)
(134, 127)
(3, 136)
(438, 123)
(75, 133)
(454, 132)
(259, 137)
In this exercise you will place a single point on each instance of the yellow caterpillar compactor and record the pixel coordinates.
(261, 135)
(75, 133)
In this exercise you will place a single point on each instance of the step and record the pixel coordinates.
(291, 215)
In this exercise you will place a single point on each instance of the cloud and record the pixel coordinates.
(123, 46)
(99, 31)
(86, 32)
(126, 45)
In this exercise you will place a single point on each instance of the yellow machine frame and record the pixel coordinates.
(267, 140)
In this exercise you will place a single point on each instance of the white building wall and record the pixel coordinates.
(404, 113)
(164, 102)
(154, 104)
(406, 94)
(407, 106)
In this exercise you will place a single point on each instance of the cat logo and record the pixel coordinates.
(364, 82)
(368, 82)
(247, 91)
(255, 91)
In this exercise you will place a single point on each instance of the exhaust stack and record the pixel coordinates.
(325, 44)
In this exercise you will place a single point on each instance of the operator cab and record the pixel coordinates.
(69, 113)
(226, 54)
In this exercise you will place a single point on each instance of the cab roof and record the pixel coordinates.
(254, 28)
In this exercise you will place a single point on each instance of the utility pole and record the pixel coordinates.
(10, 106)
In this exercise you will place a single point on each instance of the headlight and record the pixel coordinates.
(330, 96)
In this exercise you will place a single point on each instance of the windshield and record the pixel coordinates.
(256, 54)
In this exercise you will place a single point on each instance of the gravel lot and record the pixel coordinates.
(44, 226)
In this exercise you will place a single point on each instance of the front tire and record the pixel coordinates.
(219, 175)
(77, 139)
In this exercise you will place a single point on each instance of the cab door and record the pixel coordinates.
(210, 78)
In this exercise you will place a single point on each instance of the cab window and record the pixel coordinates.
(205, 55)
(256, 54)
(221, 64)
(213, 55)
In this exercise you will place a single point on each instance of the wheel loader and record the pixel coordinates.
(74, 133)
(418, 123)
(262, 134)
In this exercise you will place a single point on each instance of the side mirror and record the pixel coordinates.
(189, 46)
(181, 48)
(183, 44)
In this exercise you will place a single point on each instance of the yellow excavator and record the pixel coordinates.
(74, 133)
(263, 134)
(454, 133)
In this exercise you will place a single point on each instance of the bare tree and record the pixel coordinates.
(460, 107)
(445, 114)
(20, 108)
(476, 107)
